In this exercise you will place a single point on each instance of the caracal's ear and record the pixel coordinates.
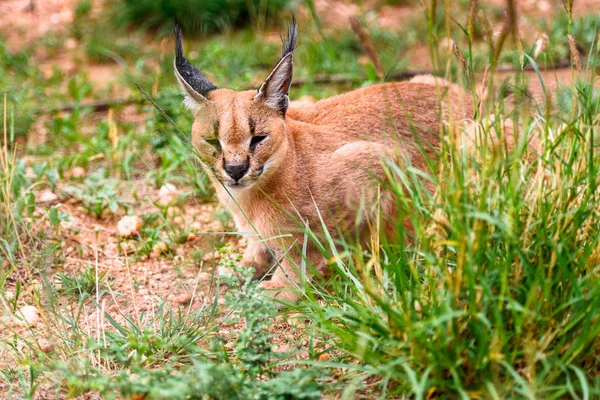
(195, 85)
(274, 91)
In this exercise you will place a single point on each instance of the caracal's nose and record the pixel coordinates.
(237, 171)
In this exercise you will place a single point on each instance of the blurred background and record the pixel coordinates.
(64, 53)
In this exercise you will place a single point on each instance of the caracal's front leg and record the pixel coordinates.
(284, 283)
(257, 256)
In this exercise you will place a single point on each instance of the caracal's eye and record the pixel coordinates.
(256, 140)
(214, 143)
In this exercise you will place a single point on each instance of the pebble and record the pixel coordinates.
(296, 320)
(129, 226)
(167, 193)
(46, 196)
(211, 256)
(172, 212)
(282, 348)
(29, 315)
(204, 277)
(71, 44)
(77, 172)
(183, 298)
(215, 226)
(158, 249)
(45, 345)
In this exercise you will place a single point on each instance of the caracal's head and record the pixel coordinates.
(241, 136)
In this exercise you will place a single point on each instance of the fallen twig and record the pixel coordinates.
(103, 105)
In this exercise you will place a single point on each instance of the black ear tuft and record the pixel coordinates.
(274, 91)
(192, 81)
(289, 42)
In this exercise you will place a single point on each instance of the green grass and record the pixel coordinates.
(495, 294)
(498, 295)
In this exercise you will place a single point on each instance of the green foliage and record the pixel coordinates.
(496, 291)
(18, 83)
(82, 284)
(197, 17)
(167, 336)
(99, 43)
(98, 194)
(584, 31)
(339, 53)
(163, 360)
(18, 203)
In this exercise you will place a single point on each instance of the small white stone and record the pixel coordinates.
(71, 44)
(129, 226)
(46, 196)
(28, 315)
(167, 193)
(446, 45)
(297, 321)
(158, 249)
(77, 172)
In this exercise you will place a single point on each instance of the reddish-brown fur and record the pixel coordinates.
(321, 161)
(311, 166)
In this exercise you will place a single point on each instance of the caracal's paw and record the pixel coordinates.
(279, 291)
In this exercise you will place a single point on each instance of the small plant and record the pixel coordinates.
(98, 194)
(82, 284)
(166, 336)
(161, 358)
